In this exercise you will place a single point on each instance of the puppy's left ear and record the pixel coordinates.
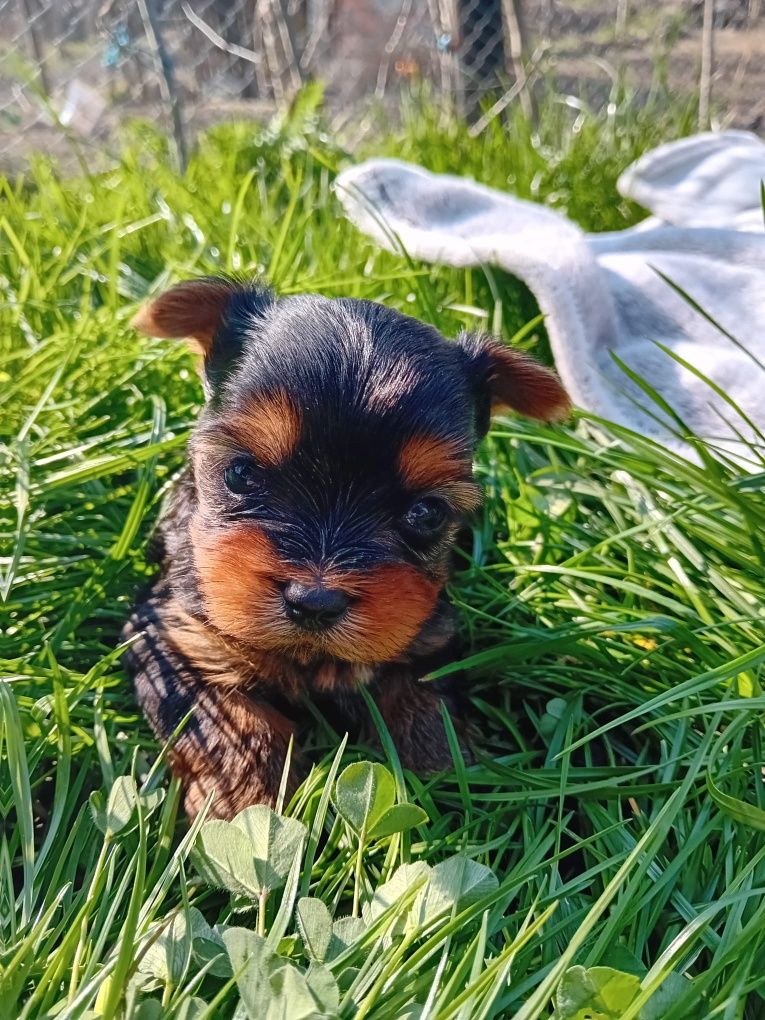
(507, 379)
(213, 314)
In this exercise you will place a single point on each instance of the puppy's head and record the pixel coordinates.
(333, 461)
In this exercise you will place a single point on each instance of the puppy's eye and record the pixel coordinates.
(241, 476)
(425, 518)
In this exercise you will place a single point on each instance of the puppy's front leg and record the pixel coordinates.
(231, 744)
(412, 713)
(234, 746)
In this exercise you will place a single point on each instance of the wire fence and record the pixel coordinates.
(83, 67)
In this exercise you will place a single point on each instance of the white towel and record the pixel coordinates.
(604, 296)
(708, 180)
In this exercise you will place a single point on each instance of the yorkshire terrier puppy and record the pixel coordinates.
(305, 548)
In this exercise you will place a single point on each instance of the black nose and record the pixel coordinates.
(312, 606)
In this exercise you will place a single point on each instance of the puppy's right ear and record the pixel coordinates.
(504, 378)
(212, 314)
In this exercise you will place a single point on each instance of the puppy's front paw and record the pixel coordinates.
(227, 799)
(235, 789)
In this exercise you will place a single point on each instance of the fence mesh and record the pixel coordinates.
(82, 67)
(86, 65)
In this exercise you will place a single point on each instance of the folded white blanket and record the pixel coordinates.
(708, 180)
(605, 297)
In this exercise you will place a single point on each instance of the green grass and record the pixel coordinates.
(612, 609)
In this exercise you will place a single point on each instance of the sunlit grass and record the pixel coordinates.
(612, 609)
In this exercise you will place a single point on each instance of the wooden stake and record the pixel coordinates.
(707, 63)
(35, 47)
(167, 86)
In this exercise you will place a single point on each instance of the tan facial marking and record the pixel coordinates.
(394, 601)
(426, 462)
(269, 426)
(237, 571)
(463, 497)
